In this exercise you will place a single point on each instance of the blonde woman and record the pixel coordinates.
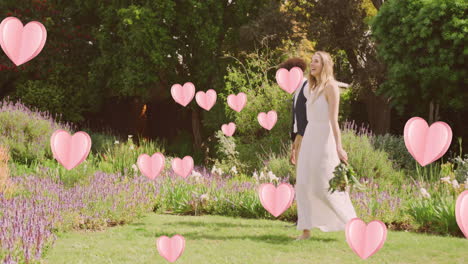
(321, 151)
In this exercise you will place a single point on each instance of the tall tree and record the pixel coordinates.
(425, 55)
(55, 80)
(342, 25)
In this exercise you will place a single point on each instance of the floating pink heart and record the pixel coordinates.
(237, 102)
(461, 212)
(427, 144)
(171, 248)
(276, 200)
(183, 167)
(22, 44)
(206, 100)
(228, 129)
(152, 166)
(267, 121)
(289, 80)
(68, 150)
(365, 240)
(183, 95)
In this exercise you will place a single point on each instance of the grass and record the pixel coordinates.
(219, 239)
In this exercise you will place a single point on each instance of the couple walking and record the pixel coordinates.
(317, 148)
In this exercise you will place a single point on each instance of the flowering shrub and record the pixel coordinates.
(42, 205)
(433, 208)
(378, 201)
(27, 133)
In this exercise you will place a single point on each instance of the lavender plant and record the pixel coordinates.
(26, 132)
(44, 205)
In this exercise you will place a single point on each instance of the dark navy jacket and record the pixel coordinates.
(299, 112)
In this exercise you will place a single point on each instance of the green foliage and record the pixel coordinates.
(100, 141)
(425, 54)
(435, 215)
(461, 171)
(396, 150)
(263, 94)
(280, 165)
(346, 99)
(122, 156)
(135, 41)
(367, 161)
(227, 156)
(27, 134)
(59, 72)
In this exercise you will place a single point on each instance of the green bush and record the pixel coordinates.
(396, 150)
(101, 141)
(121, 157)
(27, 133)
(280, 164)
(435, 215)
(367, 161)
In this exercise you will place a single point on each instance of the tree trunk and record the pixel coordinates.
(196, 128)
(378, 112)
(431, 112)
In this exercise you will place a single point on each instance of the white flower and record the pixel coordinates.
(134, 167)
(255, 176)
(220, 171)
(455, 184)
(272, 176)
(116, 142)
(213, 170)
(445, 179)
(132, 147)
(130, 136)
(234, 170)
(424, 193)
(262, 176)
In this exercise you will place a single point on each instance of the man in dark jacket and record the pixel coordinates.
(299, 114)
(299, 117)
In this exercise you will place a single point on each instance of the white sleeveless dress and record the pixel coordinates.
(318, 157)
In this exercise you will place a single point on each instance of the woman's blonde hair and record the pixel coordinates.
(326, 75)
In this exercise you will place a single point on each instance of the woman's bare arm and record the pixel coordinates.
(332, 93)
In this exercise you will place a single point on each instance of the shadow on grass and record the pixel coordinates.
(272, 239)
(212, 224)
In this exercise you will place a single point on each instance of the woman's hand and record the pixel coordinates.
(342, 155)
(293, 156)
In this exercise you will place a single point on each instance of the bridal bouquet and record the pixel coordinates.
(344, 176)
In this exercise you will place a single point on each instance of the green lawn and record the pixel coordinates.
(217, 239)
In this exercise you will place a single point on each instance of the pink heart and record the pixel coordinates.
(276, 200)
(237, 102)
(289, 80)
(427, 144)
(183, 94)
(206, 100)
(267, 121)
(228, 129)
(68, 150)
(182, 167)
(22, 44)
(365, 240)
(152, 166)
(461, 212)
(171, 248)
